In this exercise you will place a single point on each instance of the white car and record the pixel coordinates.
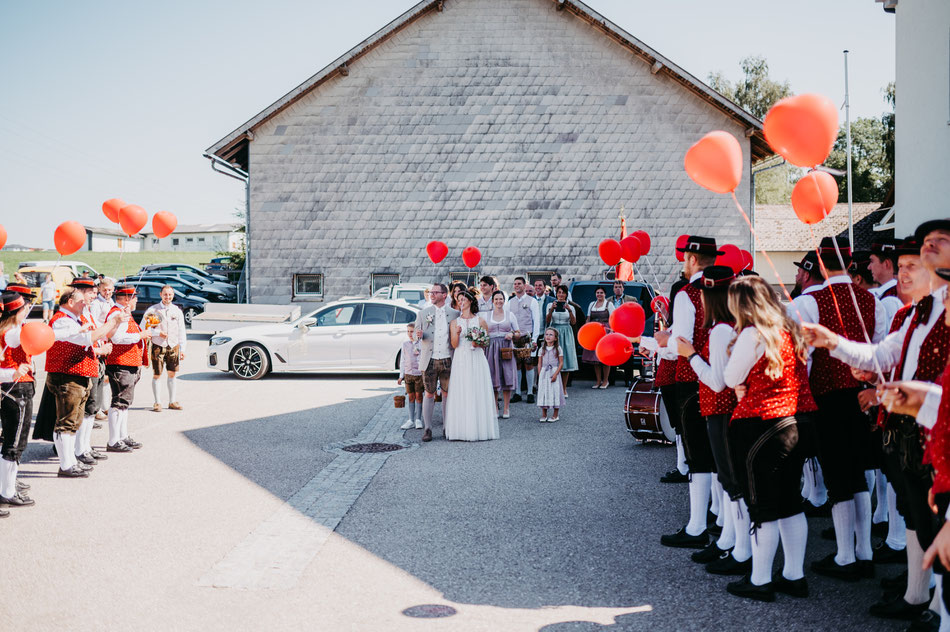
(349, 335)
(412, 293)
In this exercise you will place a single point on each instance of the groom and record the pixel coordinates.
(435, 353)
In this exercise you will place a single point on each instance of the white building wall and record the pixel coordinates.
(112, 243)
(194, 242)
(922, 144)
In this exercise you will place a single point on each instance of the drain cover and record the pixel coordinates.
(372, 447)
(429, 611)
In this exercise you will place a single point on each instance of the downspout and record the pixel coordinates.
(243, 176)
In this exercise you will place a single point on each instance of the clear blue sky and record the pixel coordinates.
(106, 99)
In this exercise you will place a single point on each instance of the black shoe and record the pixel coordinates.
(73, 472)
(745, 588)
(929, 621)
(829, 568)
(898, 609)
(18, 500)
(118, 447)
(865, 568)
(710, 554)
(886, 555)
(828, 534)
(86, 458)
(132, 443)
(674, 476)
(817, 512)
(897, 582)
(530, 399)
(792, 587)
(515, 398)
(96, 425)
(879, 529)
(682, 540)
(728, 565)
(99, 456)
(427, 435)
(21, 486)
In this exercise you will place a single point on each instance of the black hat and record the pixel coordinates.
(701, 246)
(829, 254)
(860, 260)
(927, 227)
(125, 290)
(716, 277)
(81, 283)
(22, 290)
(884, 247)
(809, 263)
(11, 301)
(908, 246)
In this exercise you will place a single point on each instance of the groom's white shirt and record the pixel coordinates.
(440, 342)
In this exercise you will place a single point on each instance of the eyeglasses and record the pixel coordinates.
(436, 292)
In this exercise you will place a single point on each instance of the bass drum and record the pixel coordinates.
(645, 415)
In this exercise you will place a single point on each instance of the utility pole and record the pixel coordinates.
(847, 118)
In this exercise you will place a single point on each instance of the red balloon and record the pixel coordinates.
(614, 349)
(644, 241)
(628, 319)
(748, 261)
(660, 305)
(36, 338)
(111, 209)
(3, 237)
(437, 251)
(132, 219)
(164, 224)
(69, 237)
(715, 162)
(610, 252)
(731, 256)
(629, 249)
(814, 196)
(680, 243)
(802, 128)
(471, 256)
(590, 334)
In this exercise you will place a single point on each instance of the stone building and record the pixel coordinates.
(520, 127)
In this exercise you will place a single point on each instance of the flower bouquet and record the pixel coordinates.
(152, 319)
(477, 336)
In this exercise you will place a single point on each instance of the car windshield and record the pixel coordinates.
(34, 279)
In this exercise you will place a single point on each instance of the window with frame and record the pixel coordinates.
(539, 275)
(377, 314)
(174, 241)
(468, 278)
(189, 240)
(379, 280)
(339, 315)
(308, 286)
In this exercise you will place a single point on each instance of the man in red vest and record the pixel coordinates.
(123, 366)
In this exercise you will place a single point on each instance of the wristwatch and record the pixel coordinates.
(694, 354)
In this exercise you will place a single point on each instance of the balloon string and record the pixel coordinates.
(767, 257)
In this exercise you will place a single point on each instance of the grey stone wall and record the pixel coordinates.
(501, 124)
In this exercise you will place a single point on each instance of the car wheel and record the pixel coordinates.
(190, 313)
(249, 361)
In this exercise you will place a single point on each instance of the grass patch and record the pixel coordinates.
(107, 263)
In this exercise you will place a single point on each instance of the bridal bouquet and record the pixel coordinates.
(477, 336)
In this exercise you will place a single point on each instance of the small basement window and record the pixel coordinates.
(308, 286)
(380, 280)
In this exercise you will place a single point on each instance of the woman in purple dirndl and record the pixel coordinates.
(502, 329)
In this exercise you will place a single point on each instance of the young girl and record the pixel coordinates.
(16, 407)
(550, 362)
(763, 436)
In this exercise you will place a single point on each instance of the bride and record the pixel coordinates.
(471, 413)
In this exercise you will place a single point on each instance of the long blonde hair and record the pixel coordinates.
(754, 303)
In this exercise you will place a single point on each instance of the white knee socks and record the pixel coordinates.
(715, 499)
(66, 449)
(896, 529)
(155, 389)
(8, 471)
(862, 525)
(681, 456)
(794, 532)
(918, 580)
(699, 489)
(83, 436)
(114, 426)
(428, 406)
(412, 409)
(172, 383)
(727, 539)
(842, 514)
(764, 546)
(881, 512)
(124, 423)
(743, 548)
(530, 375)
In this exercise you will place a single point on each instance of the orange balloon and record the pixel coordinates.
(630, 247)
(814, 196)
(628, 319)
(614, 349)
(680, 243)
(590, 334)
(36, 338)
(732, 257)
(132, 219)
(715, 162)
(111, 209)
(609, 250)
(69, 237)
(164, 224)
(3, 237)
(471, 256)
(802, 128)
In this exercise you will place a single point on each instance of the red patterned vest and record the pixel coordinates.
(827, 373)
(767, 398)
(65, 357)
(806, 402)
(125, 355)
(14, 357)
(891, 291)
(938, 445)
(896, 324)
(665, 373)
(711, 402)
(684, 372)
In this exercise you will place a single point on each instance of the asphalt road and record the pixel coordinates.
(553, 527)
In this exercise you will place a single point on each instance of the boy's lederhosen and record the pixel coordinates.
(842, 425)
(717, 409)
(16, 410)
(699, 455)
(69, 369)
(763, 439)
(123, 366)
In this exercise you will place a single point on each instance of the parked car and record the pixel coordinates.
(349, 335)
(75, 267)
(150, 293)
(192, 285)
(184, 267)
(412, 293)
(227, 289)
(36, 275)
(218, 264)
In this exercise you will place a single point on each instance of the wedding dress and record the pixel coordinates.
(470, 414)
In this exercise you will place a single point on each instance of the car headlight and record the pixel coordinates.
(219, 340)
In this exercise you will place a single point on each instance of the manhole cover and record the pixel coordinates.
(429, 611)
(372, 447)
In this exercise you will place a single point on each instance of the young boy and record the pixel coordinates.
(410, 373)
